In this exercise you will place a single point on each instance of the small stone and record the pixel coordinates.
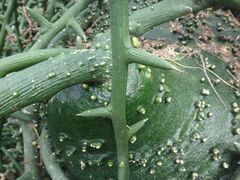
(182, 169)
(162, 81)
(203, 140)
(133, 139)
(110, 163)
(158, 100)
(174, 150)
(205, 92)
(237, 131)
(85, 86)
(93, 97)
(225, 165)
(141, 110)
(152, 171)
(161, 88)
(168, 99)
(134, 8)
(203, 79)
(159, 163)
(209, 114)
(194, 175)
(215, 151)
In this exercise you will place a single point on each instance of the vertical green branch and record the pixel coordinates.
(123, 53)
(17, 31)
(120, 41)
(30, 162)
(6, 20)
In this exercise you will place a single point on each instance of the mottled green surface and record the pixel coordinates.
(172, 133)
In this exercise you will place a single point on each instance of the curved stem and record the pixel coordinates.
(49, 158)
(43, 80)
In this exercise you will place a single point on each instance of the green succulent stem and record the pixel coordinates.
(49, 158)
(23, 60)
(60, 24)
(50, 9)
(6, 20)
(123, 54)
(30, 151)
(17, 31)
(141, 56)
(77, 28)
(41, 81)
(164, 11)
(41, 20)
(120, 39)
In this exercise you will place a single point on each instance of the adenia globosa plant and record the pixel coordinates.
(120, 89)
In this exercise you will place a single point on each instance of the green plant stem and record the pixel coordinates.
(18, 34)
(6, 21)
(23, 60)
(50, 9)
(120, 39)
(141, 56)
(30, 153)
(164, 11)
(84, 24)
(14, 162)
(49, 158)
(41, 20)
(41, 81)
(77, 28)
(60, 24)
